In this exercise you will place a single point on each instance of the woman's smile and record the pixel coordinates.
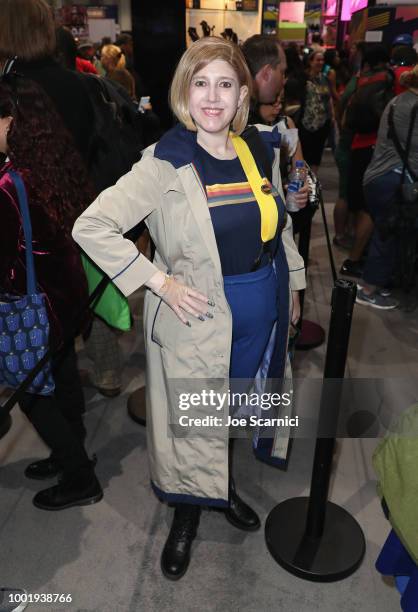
(212, 112)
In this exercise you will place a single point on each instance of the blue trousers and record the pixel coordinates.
(252, 298)
(394, 560)
(381, 257)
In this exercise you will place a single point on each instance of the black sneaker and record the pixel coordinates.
(383, 291)
(376, 300)
(352, 268)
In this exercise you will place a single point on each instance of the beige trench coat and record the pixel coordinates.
(174, 205)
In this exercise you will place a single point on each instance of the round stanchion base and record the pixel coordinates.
(334, 556)
(137, 406)
(5, 425)
(311, 336)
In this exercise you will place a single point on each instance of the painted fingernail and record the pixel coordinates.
(188, 324)
(209, 315)
(201, 318)
(211, 303)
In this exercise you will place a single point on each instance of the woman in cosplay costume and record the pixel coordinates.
(41, 151)
(218, 299)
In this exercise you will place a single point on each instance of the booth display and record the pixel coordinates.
(270, 16)
(90, 22)
(75, 18)
(236, 20)
(292, 26)
(291, 20)
(384, 24)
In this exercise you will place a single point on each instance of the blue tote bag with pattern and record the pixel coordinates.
(24, 325)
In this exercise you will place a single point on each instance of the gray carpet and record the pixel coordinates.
(107, 555)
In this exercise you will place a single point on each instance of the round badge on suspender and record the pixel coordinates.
(266, 188)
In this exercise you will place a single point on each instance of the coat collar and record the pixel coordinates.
(178, 146)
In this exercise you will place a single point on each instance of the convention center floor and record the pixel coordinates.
(107, 556)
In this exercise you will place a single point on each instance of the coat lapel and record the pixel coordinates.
(197, 199)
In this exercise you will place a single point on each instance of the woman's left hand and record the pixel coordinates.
(301, 196)
(295, 307)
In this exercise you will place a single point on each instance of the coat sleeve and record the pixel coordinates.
(99, 230)
(297, 279)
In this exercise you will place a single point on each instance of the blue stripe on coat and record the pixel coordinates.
(179, 498)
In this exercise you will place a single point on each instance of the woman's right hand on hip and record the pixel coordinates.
(181, 298)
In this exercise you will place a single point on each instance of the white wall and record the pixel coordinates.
(125, 16)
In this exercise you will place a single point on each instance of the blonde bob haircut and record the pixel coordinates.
(197, 56)
(27, 30)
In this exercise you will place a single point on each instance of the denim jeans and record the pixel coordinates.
(381, 258)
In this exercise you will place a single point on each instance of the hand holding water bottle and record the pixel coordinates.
(297, 190)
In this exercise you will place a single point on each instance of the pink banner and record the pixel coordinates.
(351, 6)
(331, 8)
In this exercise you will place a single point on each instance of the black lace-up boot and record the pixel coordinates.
(239, 513)
(175, 558)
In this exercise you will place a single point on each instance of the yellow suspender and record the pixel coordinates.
(261, 189)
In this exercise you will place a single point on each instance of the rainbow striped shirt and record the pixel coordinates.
(225, 194)
(234, 212)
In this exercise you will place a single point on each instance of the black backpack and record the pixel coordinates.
(117, 135)
(368, 102)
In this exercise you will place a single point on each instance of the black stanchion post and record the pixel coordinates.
(312, 537)
(343, 297)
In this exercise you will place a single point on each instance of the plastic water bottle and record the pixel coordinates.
(296, 181)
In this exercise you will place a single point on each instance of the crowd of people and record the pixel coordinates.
(204, 190)
(344, 100)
